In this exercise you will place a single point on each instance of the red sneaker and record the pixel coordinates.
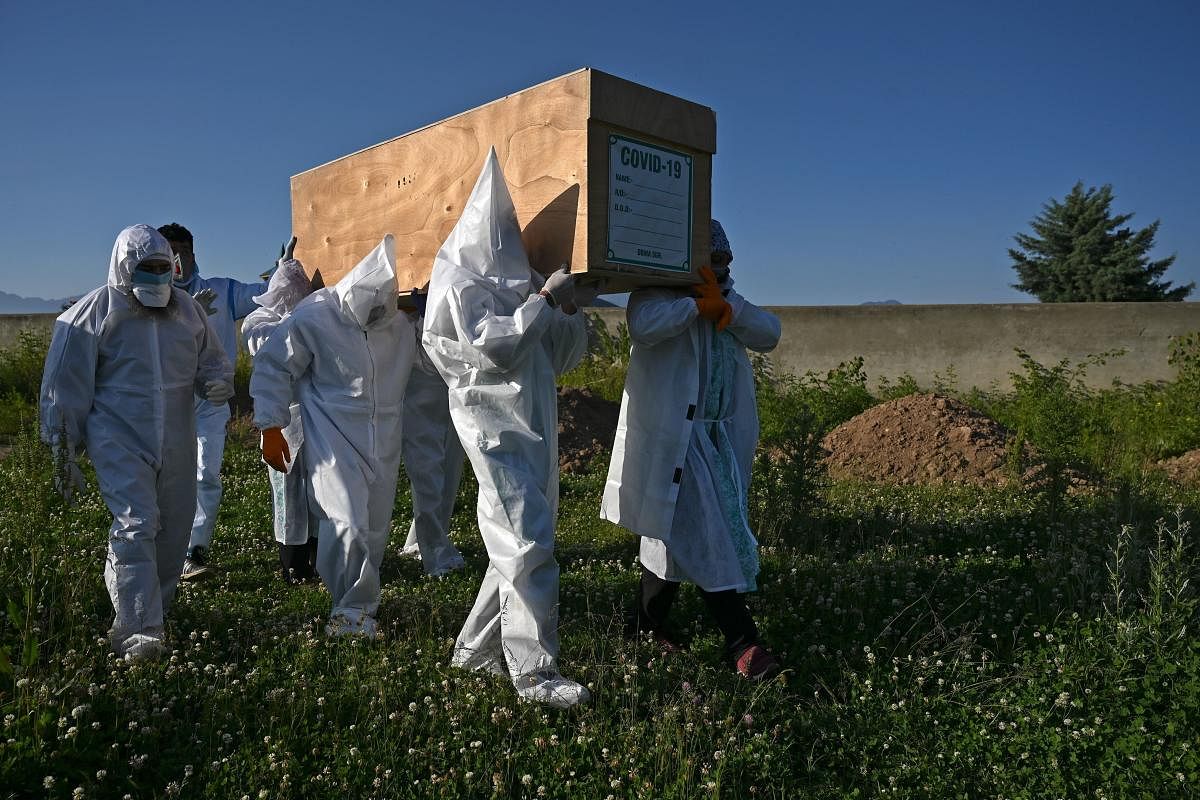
(667, 646)
(757, 664)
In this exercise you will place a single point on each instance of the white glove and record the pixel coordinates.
(218, 391)
(288, 250)
(561, 287)
(69, 481)
(205, 298)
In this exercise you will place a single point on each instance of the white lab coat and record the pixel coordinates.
(119, 381)
(344, 355)
(294, 522)
(659, 455)
(498, 345)
(433, 461)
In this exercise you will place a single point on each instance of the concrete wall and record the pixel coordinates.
(11, 326)
(978, 341)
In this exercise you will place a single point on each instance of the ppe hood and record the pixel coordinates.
(134, 245)
(368, 293)
(486, 241)
(289, 285)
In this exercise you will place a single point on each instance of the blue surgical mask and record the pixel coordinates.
(151, 289)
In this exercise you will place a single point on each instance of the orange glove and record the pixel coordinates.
(711, 304)
(275, 449)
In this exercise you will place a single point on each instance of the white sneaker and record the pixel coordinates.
(479, 661)
(552, 689)
(344, 625)
(447, 564)
(141, 647)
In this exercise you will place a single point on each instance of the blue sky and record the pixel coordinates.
(867, 151)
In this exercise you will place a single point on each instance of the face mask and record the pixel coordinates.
(150, 289)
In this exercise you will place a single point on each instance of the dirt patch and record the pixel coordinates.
(587, 424)
(925, 439)
(1184, 468)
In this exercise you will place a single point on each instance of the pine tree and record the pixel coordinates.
(1080, 253)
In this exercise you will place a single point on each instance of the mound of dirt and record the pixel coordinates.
(925, 439)
(587, 424)
(1184, 468)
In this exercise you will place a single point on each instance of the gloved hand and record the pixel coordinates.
(218, 391)
(560, 286)
(275, 449)
(70, 480)
(710, 302)
(205, 298)
(288, 250)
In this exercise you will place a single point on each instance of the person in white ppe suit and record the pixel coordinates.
(683, 452)
(433, 461)
(226, 300)
(344, 355)
(295, 525)
(499, 342)
(123, 366)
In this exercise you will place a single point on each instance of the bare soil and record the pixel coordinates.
(587, 424)
(927, 439)
(1184, 468)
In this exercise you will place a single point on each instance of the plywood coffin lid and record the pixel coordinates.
(608, 102)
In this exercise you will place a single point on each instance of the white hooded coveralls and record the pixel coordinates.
(120, 380)
(234, 300)
(294, 523)
(433, 461)
(499, 346)
(660, 483)
(344, 354)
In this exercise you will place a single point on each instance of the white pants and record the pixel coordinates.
(348, 562)
(211, 420)
(516, 610)
(151, 509)
(433, 461)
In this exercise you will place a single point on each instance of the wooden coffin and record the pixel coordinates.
(608, 176)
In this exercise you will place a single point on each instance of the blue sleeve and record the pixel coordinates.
(240, 296)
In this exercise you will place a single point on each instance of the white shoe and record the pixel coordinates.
(451, 564)
(479, 661)
(552, 689)
(345, 625)
(141, 647)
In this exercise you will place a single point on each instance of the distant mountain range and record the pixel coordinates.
(882, 303)
(15, 304)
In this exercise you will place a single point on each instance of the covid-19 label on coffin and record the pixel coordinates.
(606, 175)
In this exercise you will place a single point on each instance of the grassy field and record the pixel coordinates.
(939, 642)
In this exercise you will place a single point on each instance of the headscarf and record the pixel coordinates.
(720, 242)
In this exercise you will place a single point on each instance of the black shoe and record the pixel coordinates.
(195, 566)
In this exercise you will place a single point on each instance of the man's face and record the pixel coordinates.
(187, 259)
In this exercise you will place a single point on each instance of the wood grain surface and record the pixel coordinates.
(554, 158)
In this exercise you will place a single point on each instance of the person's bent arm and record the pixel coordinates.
(757, 329)
(655, 315)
